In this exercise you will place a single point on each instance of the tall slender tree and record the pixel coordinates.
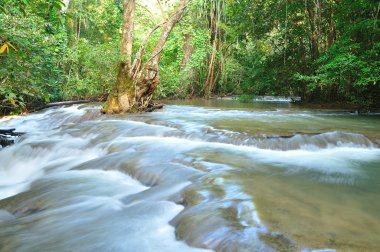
(214, 67)
(137, 80)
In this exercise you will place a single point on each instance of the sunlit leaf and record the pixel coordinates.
(9, 44)
(4, 49)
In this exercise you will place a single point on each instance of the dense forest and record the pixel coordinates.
(321, 50)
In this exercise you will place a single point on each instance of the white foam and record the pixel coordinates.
(89, 216)
(341, 160)
(24, 162)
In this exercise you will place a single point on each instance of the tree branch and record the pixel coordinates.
(174, 18)
(137, 62)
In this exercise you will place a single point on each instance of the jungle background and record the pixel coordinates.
(324, 51)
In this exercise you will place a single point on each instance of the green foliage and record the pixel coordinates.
(31, 74)
(246, 98)
(327, 52)
(176, 78)
(350, 69)
(96, 20)
(90, 70)
(89, 62)
(270, 50)
(52, 59)
(232, 76)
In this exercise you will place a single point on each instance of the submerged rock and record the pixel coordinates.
(5, 141)
(5, 216)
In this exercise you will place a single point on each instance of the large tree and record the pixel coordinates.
(137, 80)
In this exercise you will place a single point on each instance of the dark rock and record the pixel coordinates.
(5, 141)
(7, 137)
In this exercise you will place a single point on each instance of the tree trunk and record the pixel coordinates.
(332, 32)
(216, 40)
(136, 82)
(127, 33)
(120, 100)
(187, 50)
(210, 81)
(77, 35)
(314, 15)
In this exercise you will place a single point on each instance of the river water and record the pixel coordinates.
(197, 176)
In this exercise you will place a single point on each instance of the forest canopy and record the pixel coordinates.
(321, 50)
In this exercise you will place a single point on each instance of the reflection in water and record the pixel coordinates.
(232, 177)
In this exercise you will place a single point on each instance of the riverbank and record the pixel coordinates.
(339, 106)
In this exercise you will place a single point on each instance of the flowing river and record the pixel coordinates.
(199, 175)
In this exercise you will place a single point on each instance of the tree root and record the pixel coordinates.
(153, 106)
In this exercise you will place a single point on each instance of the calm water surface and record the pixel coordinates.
(197, 176)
